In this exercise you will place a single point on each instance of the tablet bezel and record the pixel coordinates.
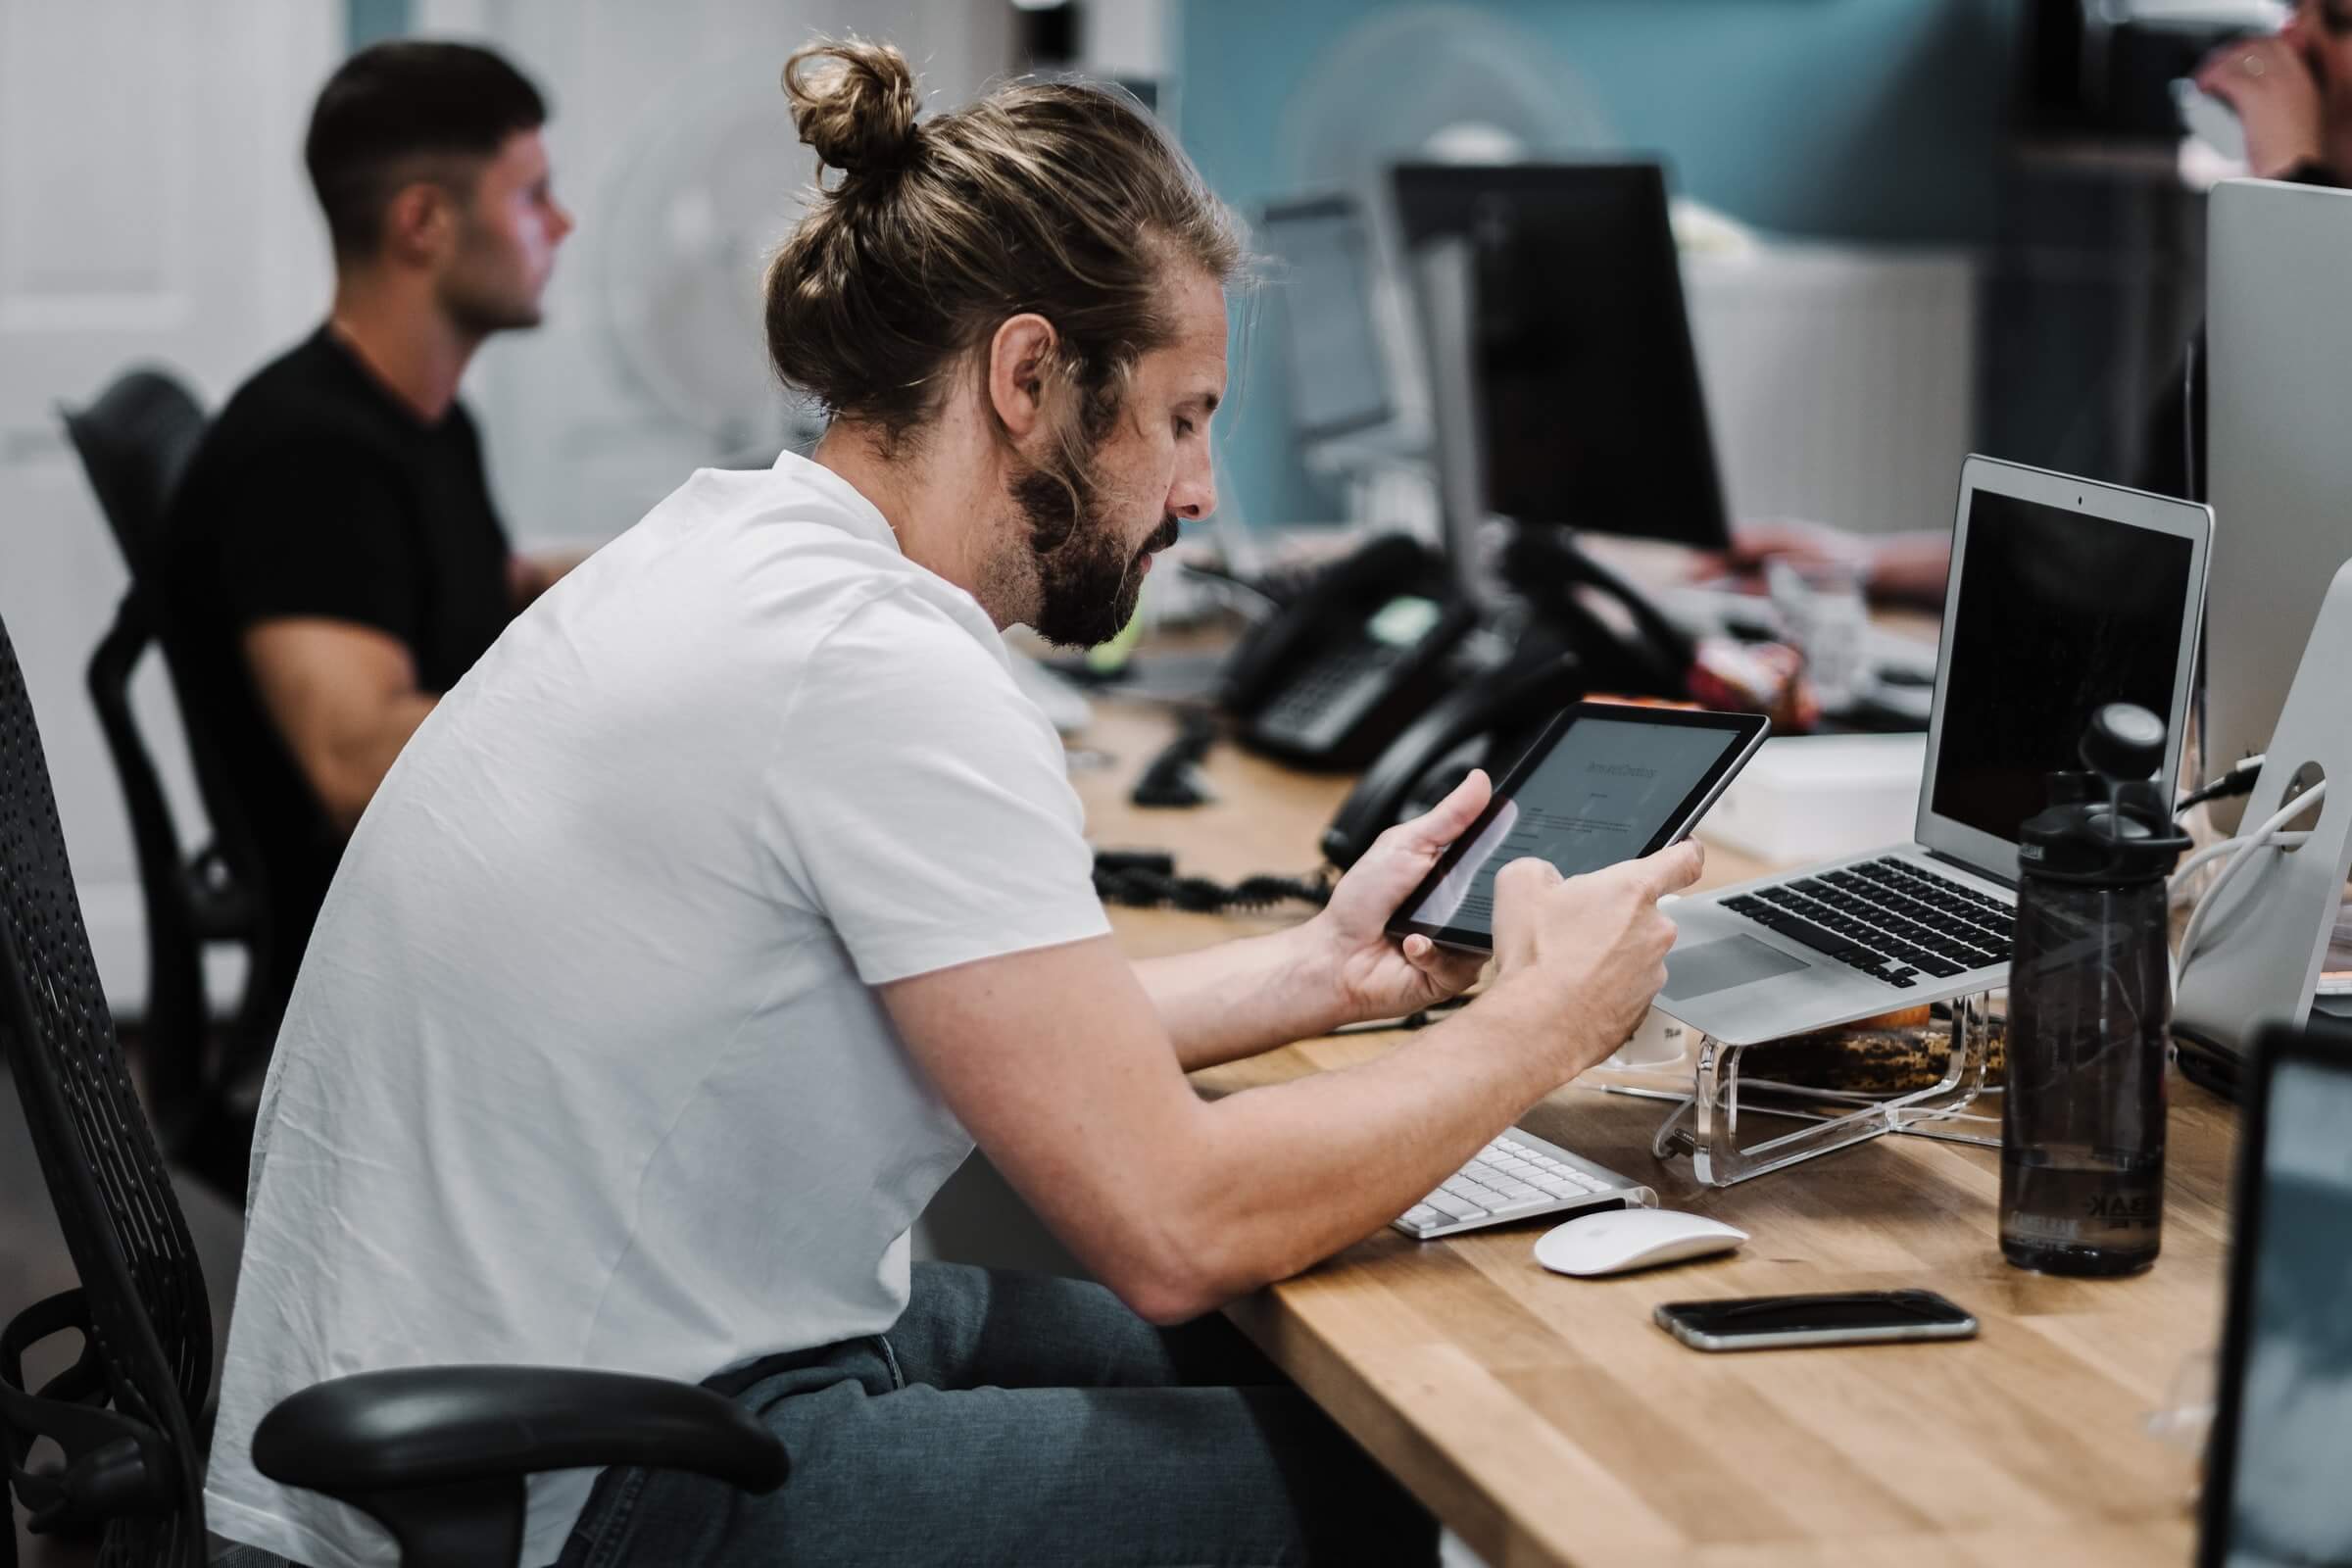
(1752, 728)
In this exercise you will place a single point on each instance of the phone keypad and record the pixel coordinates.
(1323, 699)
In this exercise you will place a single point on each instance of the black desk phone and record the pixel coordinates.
(1380, 663)
(1331, 680)
(1488, 722)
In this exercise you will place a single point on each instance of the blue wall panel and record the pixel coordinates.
(1867, 120)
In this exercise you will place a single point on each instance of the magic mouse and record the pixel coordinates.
(1620, 1239)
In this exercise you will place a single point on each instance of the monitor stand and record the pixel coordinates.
(2265, 938)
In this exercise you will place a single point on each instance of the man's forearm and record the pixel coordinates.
(1240, 998)
(1332, 1157)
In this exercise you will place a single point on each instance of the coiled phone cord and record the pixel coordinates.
(1146, 879)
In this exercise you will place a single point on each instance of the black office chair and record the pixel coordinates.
(134, 441)
(436, 1455)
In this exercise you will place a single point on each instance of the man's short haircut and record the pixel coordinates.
(395, 111)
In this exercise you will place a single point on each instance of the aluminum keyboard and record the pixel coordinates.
(1519, 1176)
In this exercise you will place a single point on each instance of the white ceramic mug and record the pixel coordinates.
(1661, 1042)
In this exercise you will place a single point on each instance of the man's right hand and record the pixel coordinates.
(1591, 948)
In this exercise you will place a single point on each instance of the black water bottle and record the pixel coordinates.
(2090, 1011)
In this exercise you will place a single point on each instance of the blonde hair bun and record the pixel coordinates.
(854, 102)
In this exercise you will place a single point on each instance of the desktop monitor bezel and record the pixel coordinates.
(1340, 205)
(2135, 509)
(1413, 187)
(2277, 340)
(2327, 1047)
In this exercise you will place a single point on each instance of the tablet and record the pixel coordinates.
(1605, 782)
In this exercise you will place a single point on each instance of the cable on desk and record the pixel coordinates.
(1146, 879)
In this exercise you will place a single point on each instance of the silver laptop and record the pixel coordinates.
(2064, 595)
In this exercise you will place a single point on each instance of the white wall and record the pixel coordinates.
(669, 134)
(152, 208)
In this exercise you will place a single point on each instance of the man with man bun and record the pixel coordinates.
(701, 932)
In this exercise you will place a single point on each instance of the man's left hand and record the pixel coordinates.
(1377, 976)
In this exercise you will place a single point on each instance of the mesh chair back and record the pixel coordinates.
(134, 440)
(142, 1289)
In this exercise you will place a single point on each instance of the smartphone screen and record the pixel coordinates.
(1837, 1318)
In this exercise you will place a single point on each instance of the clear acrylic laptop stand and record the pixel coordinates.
(1706, 1125)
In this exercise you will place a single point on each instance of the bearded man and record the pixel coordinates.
(701, 933)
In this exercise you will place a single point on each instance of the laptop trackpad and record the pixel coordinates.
(1720, 965)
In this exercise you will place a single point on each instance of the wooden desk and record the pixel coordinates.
(1547, 1421)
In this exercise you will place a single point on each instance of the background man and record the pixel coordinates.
(335, 561)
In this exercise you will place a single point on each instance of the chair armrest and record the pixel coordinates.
(411, 1427)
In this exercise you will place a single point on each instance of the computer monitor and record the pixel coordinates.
(2274, 1489)
(1592, 415)
(1339, 372)
(2278, 368)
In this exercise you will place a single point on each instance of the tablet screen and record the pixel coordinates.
(1607, 790)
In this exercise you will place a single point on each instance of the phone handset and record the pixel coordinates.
(1554, 575)
(1510, 707)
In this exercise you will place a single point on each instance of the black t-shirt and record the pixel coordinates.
(317, 492)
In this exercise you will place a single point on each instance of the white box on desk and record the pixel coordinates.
(1813, 796)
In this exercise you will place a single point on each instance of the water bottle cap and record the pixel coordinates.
(2112, 825)
(2095, 842)
(2124, 741)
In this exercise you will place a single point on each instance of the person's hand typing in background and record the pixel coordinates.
(2293, 91)
(1905, 568)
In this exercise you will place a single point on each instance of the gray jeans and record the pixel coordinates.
(1021, 1418)
(1016, 1418)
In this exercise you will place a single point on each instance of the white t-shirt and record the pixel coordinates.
(585, 1066)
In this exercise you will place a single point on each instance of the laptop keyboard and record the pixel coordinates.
(1889, 918)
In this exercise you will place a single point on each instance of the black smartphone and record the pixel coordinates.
(1605, 782)
(1839, 1317)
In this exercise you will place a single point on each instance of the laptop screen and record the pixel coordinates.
(2286, 1402)
(2058, 612)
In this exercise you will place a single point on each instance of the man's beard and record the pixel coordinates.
(1088, 581)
